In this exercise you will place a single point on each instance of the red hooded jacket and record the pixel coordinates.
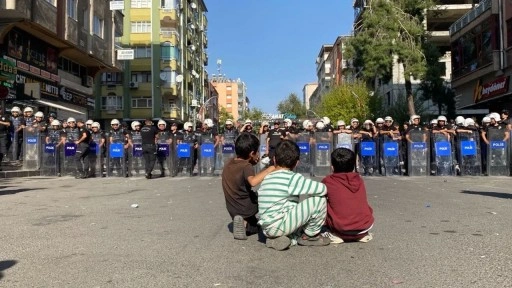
(347, 204)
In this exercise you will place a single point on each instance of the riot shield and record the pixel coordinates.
(50, 165)
(418, 153)
(322, 150)
(304, 143)
(185, 158)
(227, 153)
(68, 158)
(16, 146)
(163, 151)
(262, 150)
(368, 153)
(206, 155)
(391, 157)
(469, 153)
(136, 161)
(344, 140)
(497, 153)
(116, 164)
(95, 156)
(31, 149)
(442, 155)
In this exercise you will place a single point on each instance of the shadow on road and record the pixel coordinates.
(490, 194)
(6, 264)
(14, 191)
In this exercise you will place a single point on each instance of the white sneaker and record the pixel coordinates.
(366, 238)
(334, 239)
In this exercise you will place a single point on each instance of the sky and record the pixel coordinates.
(272, 45)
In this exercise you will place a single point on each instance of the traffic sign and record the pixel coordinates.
(4, 92)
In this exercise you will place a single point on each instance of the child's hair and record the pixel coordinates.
(343, 160)
(287, 154)
(245, 144)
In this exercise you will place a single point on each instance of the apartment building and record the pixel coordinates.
(166, 77)
(307, 92)
(437, 23)
(232, 95)
(51, 51)
(481, 48)
(323, 73)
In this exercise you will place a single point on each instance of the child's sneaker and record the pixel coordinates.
(239, 228)
(334, 239)
(317, 240)
(366, 238)
(279, 243)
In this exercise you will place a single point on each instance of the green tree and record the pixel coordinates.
(391, 30)
(292, 105)
(224, 115)
(398, 110)
(345, 102)
(255, 114)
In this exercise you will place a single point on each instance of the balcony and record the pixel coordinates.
(470, 16)
(172, 14)
(171, 35)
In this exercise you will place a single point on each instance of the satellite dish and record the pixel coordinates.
(163, 76)
(193, 5)
(179, 78)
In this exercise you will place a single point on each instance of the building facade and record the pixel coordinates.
(323, 74)
(232, 95)
(307, 91)
(481, 47)
(53, 50)
(167, 76)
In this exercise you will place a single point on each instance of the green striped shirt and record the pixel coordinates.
(279, 192)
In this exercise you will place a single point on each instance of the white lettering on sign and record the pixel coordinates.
(65, 95)
(443, 148)
(70, 148)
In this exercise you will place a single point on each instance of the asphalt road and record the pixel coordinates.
(429, 232)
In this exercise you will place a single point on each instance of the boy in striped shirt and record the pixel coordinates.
(291, 206)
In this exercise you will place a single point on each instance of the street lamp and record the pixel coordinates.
(194, 105)
(204, 107)
(316, 115)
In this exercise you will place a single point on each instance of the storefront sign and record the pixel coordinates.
(7, 70)
(491, 89)
(73, 97)
(22, 66)
(49, 90)
(33, 51)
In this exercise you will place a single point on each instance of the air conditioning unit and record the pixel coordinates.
(134, 85)
(89, 81)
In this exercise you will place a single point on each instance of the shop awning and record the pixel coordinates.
(51, 104)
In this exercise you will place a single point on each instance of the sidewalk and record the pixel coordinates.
(10, 169)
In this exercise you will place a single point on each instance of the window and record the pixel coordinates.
(111, 102)
(509, 32)
(72, 8)
(141, 27)
(229, 105)
(142, 102)
(228, 96)
(169, 52)
(168, 4)
(228, 88)
(141, 3)
(141, 76)
(142, 52)
(72, 67)
(111, 78)
(53, 2)
(97, 26)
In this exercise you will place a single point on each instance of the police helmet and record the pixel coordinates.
(441, 118)
(28, 109)
(368, 122)
(228, 122)
(320, 125)
(469, 122)
(459, 120)
(71, 119)
(326, 120)
(208, 122)
(415, 117)
(340, 123)
(188, 124)
(264, 123)
(248, 121)
(162, 122)
(486, 119)
(39, 114)
(89, 122)
(388, 118)
(306, 123)
(288, 122)
(55, 123)
(353, 120)
(95, 125)
(115, 122)
(135, 124)
(496, 116)
(16, 109)
(52, 115)
(433, 121)
(379, 120)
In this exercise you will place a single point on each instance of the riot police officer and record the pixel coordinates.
(176, 138)
(149, 134)
(54, 137)
(4, 135)
(18, 123)
(117, 136)
(82, 150)
(98, 139)
(164, 145)
(275, 135)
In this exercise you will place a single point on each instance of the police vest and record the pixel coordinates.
(117, 136)
(72, 134)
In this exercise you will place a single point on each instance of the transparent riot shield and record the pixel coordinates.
(469, 153)
(344, 140)
(163, 151)
(95, 156)
(31, 149)
(15, 146)
(418, 153)
(322, 150)
(50, 165)
(68, 158)
(368, 153)
(116, 160)
(263, 151)
(305, 166)
(391, 157)
(136, 161)
(227, 152)
(185, 159)
(497, 153)
(442, 155)
(206, 155)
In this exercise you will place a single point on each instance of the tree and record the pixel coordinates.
(292, 105)
(398, 110)
(345, 102)
(391, 30)
(255, 114)
(224, 115)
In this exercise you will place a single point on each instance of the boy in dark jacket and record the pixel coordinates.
(349, 216)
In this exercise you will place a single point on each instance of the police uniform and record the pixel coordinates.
(148, 134)
(4, 135)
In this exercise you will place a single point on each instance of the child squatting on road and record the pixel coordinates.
(290, 205)
(349, 216)
(238, 178)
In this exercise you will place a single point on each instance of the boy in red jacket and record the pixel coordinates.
(349, 216)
